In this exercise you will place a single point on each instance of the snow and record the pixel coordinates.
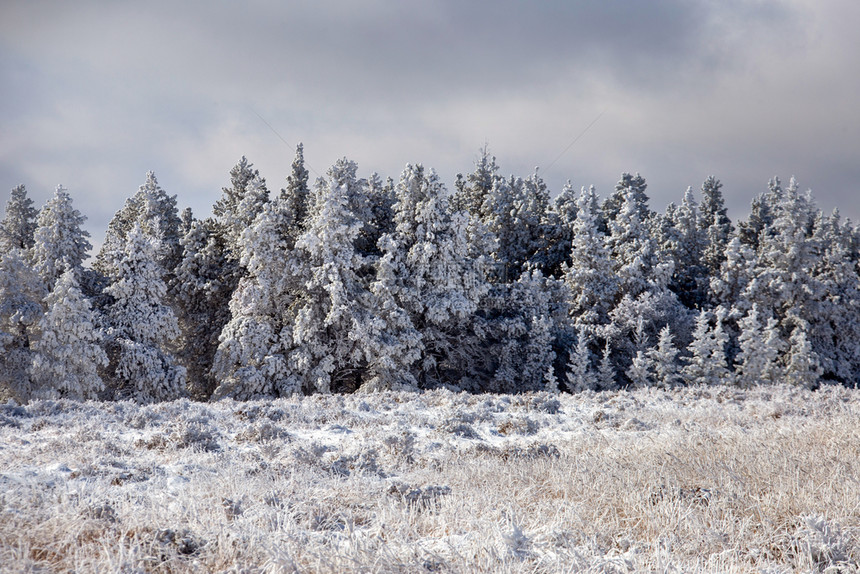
(459, 481)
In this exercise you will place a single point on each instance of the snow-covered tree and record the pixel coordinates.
(590, 276)
(295, 198)
(523, 323)
(580, 375)
(426, 269)
(690, 277)
(736, 271)
(240, 203)
(19, 225)
(760, 350)
(715, 224)
(664, 359)
(630, 188)
(634, 250)
(606, 374)
(59, 243)
(156, 214)
(142, 327)
(250, 361)
(203, 284)
(474, 188)
(21, 293)
(803, 368)
(336, 331)
(707, 361)
(67, 351)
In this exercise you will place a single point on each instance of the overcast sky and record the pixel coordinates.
(94, 94)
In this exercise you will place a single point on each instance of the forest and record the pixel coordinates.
(352, 284)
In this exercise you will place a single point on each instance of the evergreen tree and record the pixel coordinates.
(760, 349)
(690, 279)
(59, 242)
(19, 225)
(524, 322)
(336, 330)
(580, 376)
(606, 375)
(296, 196)
(473, 190)
(66, 350)
(237, 208)
(21, 293)
(250, 361)
(590, 277)
(803, 368)
(664, 358)
(203, 285)
(142, 327)
(629, 188)
(634, 250)
(156, 214)
(426, 270)
(715, 224)
(707, 361)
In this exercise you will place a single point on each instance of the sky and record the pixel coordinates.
(95, 94)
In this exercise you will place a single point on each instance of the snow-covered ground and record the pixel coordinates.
(696, 479)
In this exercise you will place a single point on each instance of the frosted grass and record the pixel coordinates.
(695, 479)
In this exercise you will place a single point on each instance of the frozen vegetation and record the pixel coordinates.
(354, 283)
(694, 479)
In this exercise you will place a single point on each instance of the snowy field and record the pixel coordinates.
(697, 479)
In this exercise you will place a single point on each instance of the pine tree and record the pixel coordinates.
(21, 293)
(203, 285)
(240, 203)
(66, 350)
(250, 361)
(629, 188)
(707, 364)
(634, 250)
(19, 225)
(715, 224)
(664, 358)
(690, 279)
(473, 190)
(606, 376)
(523, 321)
(803, 368)
(142, 327)
(580, 376)
(156, 214)
(426, 270)
(334, 308)
(640, 370)
(59, 242)
(760, 349)
(296, 196)
(590, 277)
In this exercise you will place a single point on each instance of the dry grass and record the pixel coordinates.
(694, 480)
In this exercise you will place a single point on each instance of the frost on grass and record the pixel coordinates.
(705, 479)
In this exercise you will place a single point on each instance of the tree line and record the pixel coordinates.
(365, 284)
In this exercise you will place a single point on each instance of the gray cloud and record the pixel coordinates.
(94, 94)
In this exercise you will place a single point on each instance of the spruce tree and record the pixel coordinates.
(715, 224)
(142, 327)
(664, 358)
(66, 349)
(59, 243)
(21, 294)
(426, 269)
(19, 225)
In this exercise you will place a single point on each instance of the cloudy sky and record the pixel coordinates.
(94, 94)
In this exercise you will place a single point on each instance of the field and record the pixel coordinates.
(691, 480)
